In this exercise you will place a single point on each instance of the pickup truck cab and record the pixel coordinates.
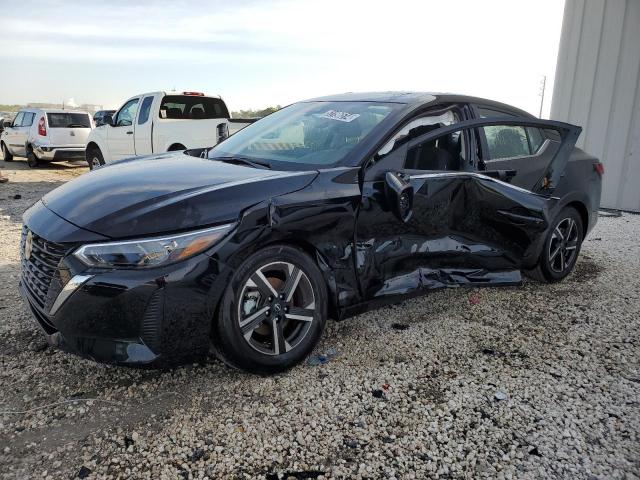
(46, 135)
(160, 122)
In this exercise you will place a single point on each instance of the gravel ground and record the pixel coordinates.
(523, 382)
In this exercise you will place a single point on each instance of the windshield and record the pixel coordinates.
(310, 133)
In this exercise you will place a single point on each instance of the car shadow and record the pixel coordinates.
(20, 163)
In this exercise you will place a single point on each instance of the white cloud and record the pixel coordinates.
(262, 53)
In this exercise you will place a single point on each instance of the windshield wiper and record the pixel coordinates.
(243, 160)
(76, 125)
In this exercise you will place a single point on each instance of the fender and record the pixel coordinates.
(98, 136)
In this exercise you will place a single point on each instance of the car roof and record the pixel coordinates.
(418, 98)
(52, 110)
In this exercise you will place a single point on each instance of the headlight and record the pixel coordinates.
(150, 252)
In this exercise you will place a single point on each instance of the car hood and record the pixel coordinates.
(164, 193)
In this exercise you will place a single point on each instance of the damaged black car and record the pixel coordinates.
(324, 209)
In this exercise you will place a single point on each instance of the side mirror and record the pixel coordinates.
(223, 131)
(399, 193)
(7, 124)
(107, 120)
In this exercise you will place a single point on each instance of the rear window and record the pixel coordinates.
(192, 107)
(69, 120)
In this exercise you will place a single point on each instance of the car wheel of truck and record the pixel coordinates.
(561, 248)
(32, 160)
(94, 158)
(272, 313)
(6, 154)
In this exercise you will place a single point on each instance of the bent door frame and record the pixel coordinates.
(548, 181)
(523, 211)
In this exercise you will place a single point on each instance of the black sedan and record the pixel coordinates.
(326, 208)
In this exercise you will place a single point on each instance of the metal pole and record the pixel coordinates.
(544, 85)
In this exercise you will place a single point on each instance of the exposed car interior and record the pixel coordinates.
(443, 153)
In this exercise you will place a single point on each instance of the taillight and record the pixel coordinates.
(599, 167)
(194, 94)
(42, 130)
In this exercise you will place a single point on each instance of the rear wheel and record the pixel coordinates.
(94, 158)
(272, 313)
(562, 247)
(6, 154)
(32, 160)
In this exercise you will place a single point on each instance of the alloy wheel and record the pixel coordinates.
(563, 245)
(276, 308)
(95, 162)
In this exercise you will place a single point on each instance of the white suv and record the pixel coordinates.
(46, 135)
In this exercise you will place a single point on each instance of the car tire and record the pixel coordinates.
(6, 154)
(561, 247)
(94, 158)
(272, 313)
(32, 160)
(176, 147)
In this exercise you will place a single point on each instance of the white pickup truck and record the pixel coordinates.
(161, 122)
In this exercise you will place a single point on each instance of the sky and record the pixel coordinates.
(259, 53)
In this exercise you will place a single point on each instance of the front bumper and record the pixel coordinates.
(57, 153)
(159, 316)
(108, 350)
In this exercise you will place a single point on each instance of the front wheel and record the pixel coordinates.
(6, 154)
(94, 158)
(272, 313)
(561, 247)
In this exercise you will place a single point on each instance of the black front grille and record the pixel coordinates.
(41, 271)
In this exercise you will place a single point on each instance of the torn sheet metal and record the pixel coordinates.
(466, 229)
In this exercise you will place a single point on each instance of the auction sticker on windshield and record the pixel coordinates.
(340, 116)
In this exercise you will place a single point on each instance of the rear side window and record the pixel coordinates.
(506, 141)
(192, 107)
(27, 120)
(68, 120)
(145, 108)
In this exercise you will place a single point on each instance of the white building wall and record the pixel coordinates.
(596, 87)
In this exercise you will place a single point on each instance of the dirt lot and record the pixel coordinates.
(524, 382)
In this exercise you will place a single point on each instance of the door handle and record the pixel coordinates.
(129, 132)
